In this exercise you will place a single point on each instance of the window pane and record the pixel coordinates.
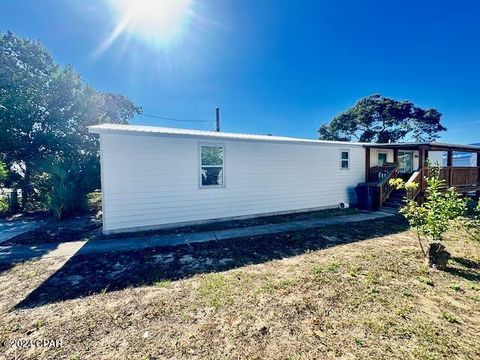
(212, 155)
(212, 176)
(344, 164)
(382, 159)
(344, 155)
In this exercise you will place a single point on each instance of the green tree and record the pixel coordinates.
(45, 110)
(379, 119)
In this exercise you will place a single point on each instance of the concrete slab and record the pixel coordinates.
(285, 227)
(242, 232)
(100, 246)
(199, 237)
(166, 240)
(178, 239)
(65, 249)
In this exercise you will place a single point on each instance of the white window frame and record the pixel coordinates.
(342, 160)
(200, 166)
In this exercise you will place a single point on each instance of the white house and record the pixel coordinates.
(156, 177)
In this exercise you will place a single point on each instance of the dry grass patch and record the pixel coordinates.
(365, 299)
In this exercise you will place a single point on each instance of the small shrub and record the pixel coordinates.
(434, 217)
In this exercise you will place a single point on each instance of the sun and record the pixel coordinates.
(160, 23)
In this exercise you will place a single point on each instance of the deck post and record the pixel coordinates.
(478, 180)
(421, 164)
(367, 163)
(450, 158)
(395, 156)
(449, 167)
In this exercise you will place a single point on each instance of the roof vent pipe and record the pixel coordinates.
(217, 119)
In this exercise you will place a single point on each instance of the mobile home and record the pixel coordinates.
(155, 177)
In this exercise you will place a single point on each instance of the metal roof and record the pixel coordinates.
(162, 131)
(176, 132)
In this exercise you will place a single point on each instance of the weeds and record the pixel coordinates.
(451, 318)
(425, 280)
(163, 283)
(216, 290)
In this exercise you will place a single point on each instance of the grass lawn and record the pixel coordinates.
(356, 292)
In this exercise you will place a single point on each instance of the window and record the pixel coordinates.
(382, 158)
(345, 159)
(212, 166)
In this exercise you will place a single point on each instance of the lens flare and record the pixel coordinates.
(158, 23)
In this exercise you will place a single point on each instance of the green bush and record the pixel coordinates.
(66, 185)
(3, 204)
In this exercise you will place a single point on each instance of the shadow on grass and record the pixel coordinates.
(468, 272)
(83, 275)
(467, 263)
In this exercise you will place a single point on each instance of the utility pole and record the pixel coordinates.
(217, 118)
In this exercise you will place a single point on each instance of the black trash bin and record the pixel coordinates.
(367, 196)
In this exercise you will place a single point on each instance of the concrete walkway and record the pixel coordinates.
(16, 253)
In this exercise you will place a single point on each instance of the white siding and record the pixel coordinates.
(149, 181)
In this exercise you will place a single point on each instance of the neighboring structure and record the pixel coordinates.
(156, 177)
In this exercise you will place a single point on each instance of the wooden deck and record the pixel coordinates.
(465, 180)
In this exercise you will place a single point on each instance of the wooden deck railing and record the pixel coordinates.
(464, 179)
(378, 173)
(416, 178)
(383, 184)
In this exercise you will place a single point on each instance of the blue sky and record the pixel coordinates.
(275, 66)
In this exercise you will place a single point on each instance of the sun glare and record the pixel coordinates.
(160, 23)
